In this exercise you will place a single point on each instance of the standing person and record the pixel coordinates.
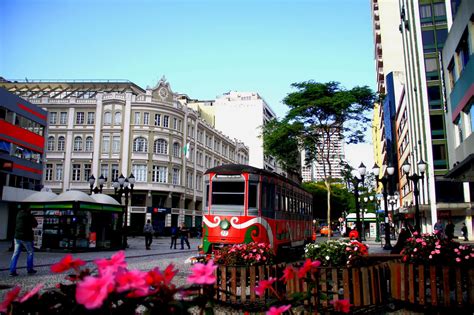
(450, 230)
(403, 236)
(464, 231)
(439, 229)
(174, 236)
(148, 230)
(184, 233)
(25, 222)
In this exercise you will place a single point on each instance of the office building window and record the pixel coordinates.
(471, 116)
(166, 121)
(53, 116)
(89, 144)
(160, 146)
(137, 118)
(425, 11)
(434, 97)
(48, 174)
(59, 172)
(76, 172)
(63, 118)
(428, 39)
(176, 149)
(176, 176)
(118, 118)
(157, 119)
(175, 123)
(441, 36)
(87, 171)
(116, 144)
(90, 118)
(146, 118)
(431, 68)
(439, 9)
(80, 118)
(104, 170)
(140, 145)
(160, 174)
(77, 144)
(61, 143)
(50, 144)
(189, 179)
(115, 171)
(105, 144)
(107, 118)
(139, 171)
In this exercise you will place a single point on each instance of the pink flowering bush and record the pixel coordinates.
(250, 254)
(114, 289)
(431, 250)
(338, 253)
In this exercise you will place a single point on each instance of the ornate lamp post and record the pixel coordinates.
(415, 178)
(392, 200)
(377, 227)
(361, 170)
(124, 186)
(384, 181)
(100, 181)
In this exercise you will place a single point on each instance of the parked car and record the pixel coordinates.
(325, 230)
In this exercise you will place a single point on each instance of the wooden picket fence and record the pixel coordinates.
(432, 286)
(362, 286)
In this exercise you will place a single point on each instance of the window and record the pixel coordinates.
(53, 116)
(176, 149)
(87, 171)
(439, 156)
(437, 127)
(166, 120)
(157, 119)
(228, 193)
(140, 145)
(59, 172)
(441, 36)
(159, 174)
(116, 144)
(50, 144)
(463, 51)
(451, 74)
(176, 176)
(80, 118)
(61, 143)
(431, 68)
(107, 118)
(139, 171)
(199, 182)
(104, 170)
(89, 144)
(77, 144)
(137, 118)
(428, 41)
(189, 179)
(425, 11)
(175, 123)
(160, 146)
(105, 144)
(118, 118)
(63, 118)
(439, 9)
(76, 172)
(48, 174)
(146, 118)
(115, 171)
(434, 97)
(471, 115)
(90, 118)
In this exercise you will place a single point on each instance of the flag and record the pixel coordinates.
(186, 150)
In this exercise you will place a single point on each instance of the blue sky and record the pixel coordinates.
(203, 47)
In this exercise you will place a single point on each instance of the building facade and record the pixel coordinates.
(114, 128)
(22, 141)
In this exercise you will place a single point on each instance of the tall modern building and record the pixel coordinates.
(22, 141)
(113, 128)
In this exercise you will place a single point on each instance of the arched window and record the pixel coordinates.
(140, 145)
(77, 144)
(89, 144)
(50, 145)
(61, 142)
(160, 146)
(107, 118)
(176, 149)
(118, 118)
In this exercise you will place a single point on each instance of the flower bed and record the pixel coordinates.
(338, 253)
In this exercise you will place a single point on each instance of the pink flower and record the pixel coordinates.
(342, 306)
(308, 264)
(31, 293)
(466, 257)
(67, 263)
(288, 274)
(115, 263)
(278, 310)
(415, 250)
(263, 285)
(9, 298)
(129, 280)
(203, 274)
(458, 259)
(430, 256)
(92, 291)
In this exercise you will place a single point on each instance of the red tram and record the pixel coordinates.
(244, 204)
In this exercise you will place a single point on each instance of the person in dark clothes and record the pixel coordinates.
(464, 231)
(184, 233)
(174, 237)
(148, 231)
(403, 236)
(25, 222)
(449, 230)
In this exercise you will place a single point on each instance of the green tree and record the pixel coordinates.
(319, 114)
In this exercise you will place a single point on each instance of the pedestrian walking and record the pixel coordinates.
(464, 231)
(450, 230)
(439, 229)
(184, 233)
(25, 222)
(148, 231)
(174, 236)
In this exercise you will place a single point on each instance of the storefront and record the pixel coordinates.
(75, 221)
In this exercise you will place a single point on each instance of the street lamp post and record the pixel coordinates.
(384, 181)
(392, 200)
(362, 170)
(97, 189)
(377, 227)
(415, 178)
(124, 186)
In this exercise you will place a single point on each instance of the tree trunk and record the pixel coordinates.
(328, 187)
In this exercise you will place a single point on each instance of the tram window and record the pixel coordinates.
(206, 197)
(228, 193)
(252, 195)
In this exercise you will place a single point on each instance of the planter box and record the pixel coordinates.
(435, 286)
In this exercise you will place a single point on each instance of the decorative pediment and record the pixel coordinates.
(162, 91)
